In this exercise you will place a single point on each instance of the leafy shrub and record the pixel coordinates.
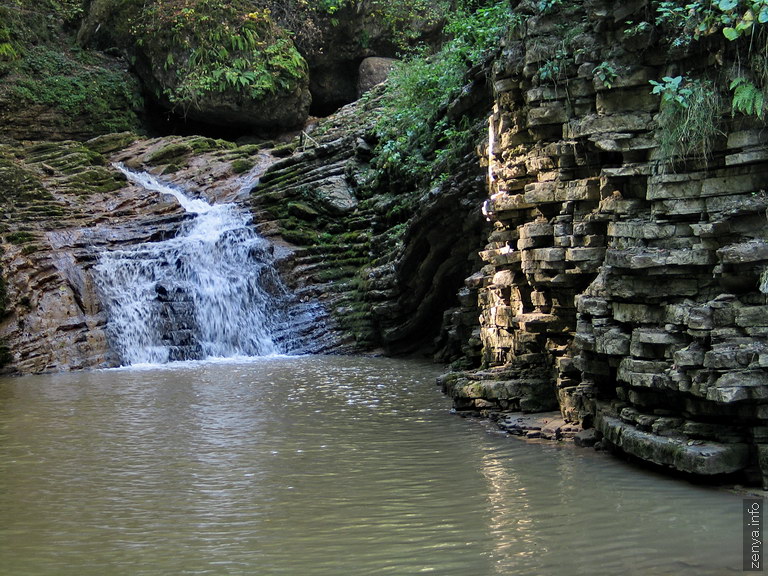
(689, 117)
(606, 73)
(691, 20)
(213, 46)
(747, 98)
(416, 136)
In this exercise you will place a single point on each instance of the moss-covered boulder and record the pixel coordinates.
(228, 64)
(52, 89)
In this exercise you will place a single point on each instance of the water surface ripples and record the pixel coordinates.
(321, 466)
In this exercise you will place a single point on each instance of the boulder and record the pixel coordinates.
(372, 71)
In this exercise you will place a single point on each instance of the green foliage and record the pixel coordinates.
(8, 52)
(689, 117)
(638, 29)
(671, 91)
(70, 11)
(692, 20)
(553, 69)
(417, 139)
(212, 46)
(606, 73)
(547, 6)
(78, 88)
(747, 98)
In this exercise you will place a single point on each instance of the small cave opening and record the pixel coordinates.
(333, 86)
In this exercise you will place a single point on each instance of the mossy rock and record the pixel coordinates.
(284, 150)
(109, 143)
(170, 152)
(203, 144)
(170, 169)
(241, 165)
(69, 158)
(56, 91)
(20, 237)
(302, 211)
(224, 63)
(97, 179)
(299, 237)
(19, 184)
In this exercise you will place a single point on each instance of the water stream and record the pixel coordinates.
(210, 291)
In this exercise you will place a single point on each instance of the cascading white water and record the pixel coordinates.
(211, 291)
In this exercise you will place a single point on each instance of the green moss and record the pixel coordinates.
(284, 150)
(249, 149)
(172, 151)
(302, 211)
(78, 87)
(241, 165)
(202, 144)
(300, 237)
(108, 143)
(336, 273)
(171, 169)
(19, 238)
(18, 184)
(69, 158)
(94, 180)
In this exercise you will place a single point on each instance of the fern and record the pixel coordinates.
(8, 52)
(747, 98)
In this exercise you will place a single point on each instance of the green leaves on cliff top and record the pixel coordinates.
(692, 20)
(415, 133)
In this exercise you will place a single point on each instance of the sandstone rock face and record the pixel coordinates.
(637, 288)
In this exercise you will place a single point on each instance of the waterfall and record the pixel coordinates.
(210, 291)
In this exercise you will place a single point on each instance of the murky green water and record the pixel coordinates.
(321, 466)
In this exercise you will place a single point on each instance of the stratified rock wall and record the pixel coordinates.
(385, 262)
(630, 290)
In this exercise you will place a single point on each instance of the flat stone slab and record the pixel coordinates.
(694, 457)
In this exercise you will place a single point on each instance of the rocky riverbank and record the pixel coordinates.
(623, 286)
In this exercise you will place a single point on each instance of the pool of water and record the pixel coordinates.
(327, 466)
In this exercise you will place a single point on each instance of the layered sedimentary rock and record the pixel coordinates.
(387, 263)
(64, 203)
(626, 288)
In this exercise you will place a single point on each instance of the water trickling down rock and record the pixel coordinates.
(209, 291)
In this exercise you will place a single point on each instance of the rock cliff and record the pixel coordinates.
(622, 286)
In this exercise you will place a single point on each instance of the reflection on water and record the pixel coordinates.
(320, 466)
